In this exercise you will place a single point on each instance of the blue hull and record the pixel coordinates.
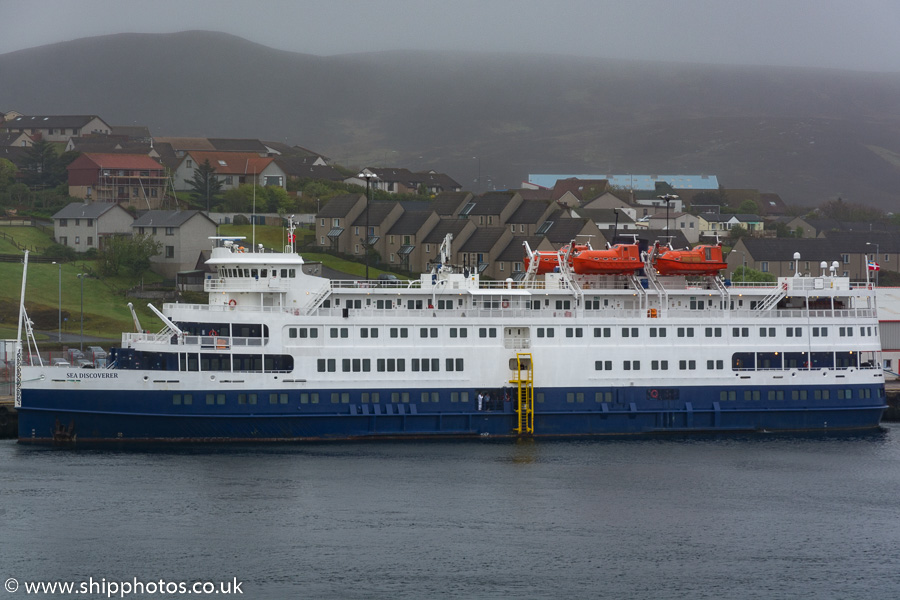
(110, 416)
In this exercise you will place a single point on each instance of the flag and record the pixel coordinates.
(873, 266)
(290, 238)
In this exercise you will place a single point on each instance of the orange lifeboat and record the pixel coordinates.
(548, 261)
(700, 260)
(619, 259)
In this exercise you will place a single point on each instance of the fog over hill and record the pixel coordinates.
(808, 134)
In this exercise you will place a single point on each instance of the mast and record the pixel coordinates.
(18, 400)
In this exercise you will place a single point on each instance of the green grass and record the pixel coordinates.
(106, 313)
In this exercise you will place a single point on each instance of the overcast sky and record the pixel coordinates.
(846, 34)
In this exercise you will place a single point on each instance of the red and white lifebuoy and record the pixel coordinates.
(232, 302)
(654, 394)
(505, 304)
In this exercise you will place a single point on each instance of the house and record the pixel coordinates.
(378, 217)
(479, 253)
(719, 223)
(16, 139)
(335, 218)
(403, 181)
(610, 200)
(575, 192)
(56, 128)
(687, 223)
(83, 226)
(232, 169)
(771, 205)
(132, 179)
(182, 234)
(492, 208)
(299, 167)
(607, 219)
(525, 220)
(450, 204)
(403, 244)
(460, 229)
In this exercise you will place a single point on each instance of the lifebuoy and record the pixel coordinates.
(654, 393)
(505, 304)
(232, 302)
(213, 332)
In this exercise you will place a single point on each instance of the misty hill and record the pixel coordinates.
(807, 134)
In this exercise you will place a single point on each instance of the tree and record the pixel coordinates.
(737, 232)
(43, 167)
(133, 253)
(747, 274)
(205, 186)
(748, 207)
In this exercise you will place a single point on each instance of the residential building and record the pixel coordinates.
(333, 222)
(83, 226)
(134, 180)
(56, 128)
(183, 235)
(232, 169)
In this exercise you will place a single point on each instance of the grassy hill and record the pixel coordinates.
(808, 134)
(105, 306)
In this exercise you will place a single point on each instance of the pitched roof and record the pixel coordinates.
(515, 251)
(484, 239)
(167, 218)
(302, 167)
(782, 249)
(116, 161)
(863, 242)
(447, 203)
(564, 231)
(238, 145)
(339, 206)
(528, 212)
(577, 187)
(48, 121)
(233, 163)
(140, 132)
(81, 210)
(409, 223)
(378, 212)
(605, 215)
(491, 203)
(445, 226)
(186, 143)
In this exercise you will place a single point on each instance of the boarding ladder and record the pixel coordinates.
(319, 299)
(524, 382)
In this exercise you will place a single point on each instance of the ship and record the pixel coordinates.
(280, 354)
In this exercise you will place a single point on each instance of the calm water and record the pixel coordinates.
(732, 517)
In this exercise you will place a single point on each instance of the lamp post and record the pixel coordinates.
(667, 198)
(875, 261)
(59, 327)
(81, 276)
(478, 179)
(744, 266)
(368, 177)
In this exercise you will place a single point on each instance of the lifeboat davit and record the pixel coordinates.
(548, 260)
(699, 260)
(619, 259)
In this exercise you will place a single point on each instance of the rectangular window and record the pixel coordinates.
(602, 332)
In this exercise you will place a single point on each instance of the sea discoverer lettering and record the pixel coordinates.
(92, 375)
(122, 589)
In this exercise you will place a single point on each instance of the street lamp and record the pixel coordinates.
(81, 276)
(667, 198)
(875, 261)
(478, 179)
(59, 329)
(368, 177)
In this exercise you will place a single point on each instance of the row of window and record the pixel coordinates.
(577, 332)
(571, 397)
(389, 365)
(749, 361)
(256, 273)
(65, 222)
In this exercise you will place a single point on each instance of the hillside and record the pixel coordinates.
(807, 134)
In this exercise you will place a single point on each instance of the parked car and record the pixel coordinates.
(96, 352)
(388, 280)
(59, 362)
(84, 363)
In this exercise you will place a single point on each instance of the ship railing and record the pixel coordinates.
(516, 343)
(222, 342)
(242, 284)
(240, 307)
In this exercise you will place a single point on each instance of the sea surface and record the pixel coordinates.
(765, 516)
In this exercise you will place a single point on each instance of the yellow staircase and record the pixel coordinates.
(524, 382)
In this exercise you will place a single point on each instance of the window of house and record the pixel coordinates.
(90, 241)
(170, 231)
(77, 239)
(63, 222)
(170, 251)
